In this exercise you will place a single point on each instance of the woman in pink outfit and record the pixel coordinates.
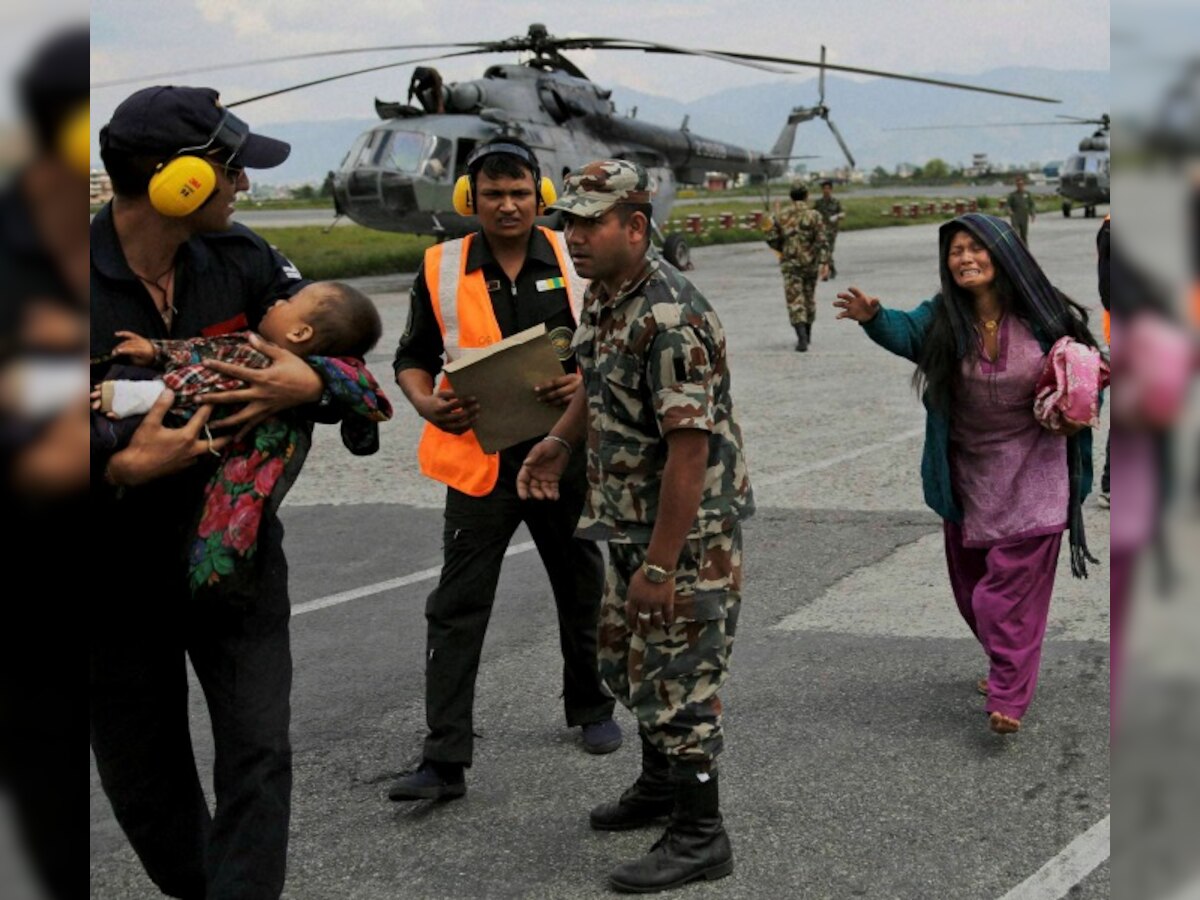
(1006, 487)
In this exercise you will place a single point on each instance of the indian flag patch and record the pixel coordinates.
(551, 284)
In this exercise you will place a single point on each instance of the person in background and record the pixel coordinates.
(508, 276)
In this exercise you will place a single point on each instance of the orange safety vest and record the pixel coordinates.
(1107, 317)
(463, 308)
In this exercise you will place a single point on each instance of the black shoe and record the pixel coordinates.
(647, 801)
(431, 781)
(601, 737)
(694, 846)
(801, 337)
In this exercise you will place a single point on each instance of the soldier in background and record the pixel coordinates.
(798, 234)
(1021, 209)
(831, 211)
(668, 491)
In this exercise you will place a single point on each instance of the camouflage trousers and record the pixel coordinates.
(669, 676)
(799, 289)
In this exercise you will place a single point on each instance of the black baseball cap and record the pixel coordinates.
(164, 120)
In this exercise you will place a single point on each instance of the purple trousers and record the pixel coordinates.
(1003, 594)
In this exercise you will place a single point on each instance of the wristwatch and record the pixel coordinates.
(656, 574)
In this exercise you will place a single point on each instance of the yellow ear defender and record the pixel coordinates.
(75, 140)
(464, 201)
(181, 185)
(546, 192)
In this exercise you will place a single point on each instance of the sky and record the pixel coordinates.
(135, 37)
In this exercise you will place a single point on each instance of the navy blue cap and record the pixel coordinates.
(165, 120)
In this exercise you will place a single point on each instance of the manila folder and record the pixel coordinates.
(501, 377)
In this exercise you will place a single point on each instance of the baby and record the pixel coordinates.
(325, 319)
(333, 326)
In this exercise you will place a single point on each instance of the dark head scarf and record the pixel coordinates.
(1050, 317)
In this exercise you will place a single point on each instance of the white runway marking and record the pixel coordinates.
(788, 474)
(1071, 866)
(427, 574)
(391, 584)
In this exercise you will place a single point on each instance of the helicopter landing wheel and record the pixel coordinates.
(1089, 212)
(675, 251)
(1066, 207)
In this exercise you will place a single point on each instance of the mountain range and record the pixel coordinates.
(753, 116)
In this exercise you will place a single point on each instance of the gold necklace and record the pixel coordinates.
(989, 325)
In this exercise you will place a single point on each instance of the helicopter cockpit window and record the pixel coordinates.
(1076, 164)
(355, 151)
(414, 153)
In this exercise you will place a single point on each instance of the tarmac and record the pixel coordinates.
(858, 762)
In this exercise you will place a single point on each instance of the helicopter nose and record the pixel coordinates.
(397, 192)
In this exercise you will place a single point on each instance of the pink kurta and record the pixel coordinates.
(1009, 473)
(1010, 476)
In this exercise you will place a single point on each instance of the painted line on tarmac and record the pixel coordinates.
(788, 474)
(428, 574)
(1076, 861)
(390, 585)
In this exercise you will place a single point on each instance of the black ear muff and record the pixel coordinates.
(464, 202)
(180, 186)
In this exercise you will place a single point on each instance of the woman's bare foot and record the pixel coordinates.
(1002, 724)
(981, 686)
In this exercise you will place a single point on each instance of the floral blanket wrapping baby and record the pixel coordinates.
(1070, 385)
(256, 472)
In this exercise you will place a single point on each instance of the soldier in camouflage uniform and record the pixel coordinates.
(830, 208)
(668, 490)
(1022, 209)
(798, 233)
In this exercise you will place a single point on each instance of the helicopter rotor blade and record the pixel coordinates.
(272, 60)
(307, 84)
(602, 43)
(841, 141)
(980, 125)
(879, 73)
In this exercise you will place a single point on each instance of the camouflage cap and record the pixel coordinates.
(596, 188)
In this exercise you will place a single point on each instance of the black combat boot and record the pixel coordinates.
(808, 332)
(647, 801)
(693, 847)
(801, 337)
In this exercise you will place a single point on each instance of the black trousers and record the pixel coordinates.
(141, 740)
(477, 532)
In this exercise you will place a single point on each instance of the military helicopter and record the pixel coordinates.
(1083, 178)
(400, 175)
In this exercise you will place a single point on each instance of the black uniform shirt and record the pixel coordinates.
(517, 304)
(224, 282)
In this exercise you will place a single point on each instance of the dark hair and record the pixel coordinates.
(505, 165)
(346, 322)
(129, 172)
(827, 183)
(799, 192)
(625, 212)
(54, 83)
(952, 337)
